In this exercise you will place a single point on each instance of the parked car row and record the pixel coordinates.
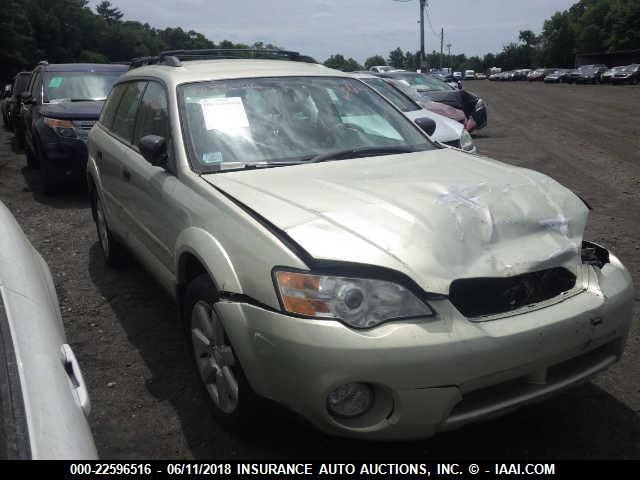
(447, 130)
(51, 111)
(441, 97)
(585, 74)
(59, 104)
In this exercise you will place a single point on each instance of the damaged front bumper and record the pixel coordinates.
(437, 374)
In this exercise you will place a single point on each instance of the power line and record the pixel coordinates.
(430, 25)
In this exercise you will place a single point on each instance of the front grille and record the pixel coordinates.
(82, 127)
(480, 297)
(84, 124)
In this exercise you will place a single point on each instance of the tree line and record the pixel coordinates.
(70, 31)
(588, 26)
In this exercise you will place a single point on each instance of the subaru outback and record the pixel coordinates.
(325, 254)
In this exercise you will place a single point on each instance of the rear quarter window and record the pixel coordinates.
(153, 113)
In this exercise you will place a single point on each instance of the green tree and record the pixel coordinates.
(109, 13)
(529, 38)
(373, 61)
(558, 40)
(396, 58)
(338, 62)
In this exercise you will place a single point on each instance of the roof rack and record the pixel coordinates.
(174, 58)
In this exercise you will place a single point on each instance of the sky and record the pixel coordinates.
(353, 28)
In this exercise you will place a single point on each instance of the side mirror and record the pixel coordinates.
(154, 150)
(459, 85)
(428, 125)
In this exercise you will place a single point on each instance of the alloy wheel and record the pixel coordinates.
(214, 357)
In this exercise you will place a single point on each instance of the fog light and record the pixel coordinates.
(350, 400)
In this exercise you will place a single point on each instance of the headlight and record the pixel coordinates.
(64, 128)
(466, 142)
(358, 302)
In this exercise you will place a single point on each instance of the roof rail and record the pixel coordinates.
(239, 53)
(174, 58)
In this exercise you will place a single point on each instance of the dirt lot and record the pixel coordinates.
(146, 400)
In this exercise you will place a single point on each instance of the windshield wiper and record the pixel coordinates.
(237, 166)
(361, 152)
(62, 100)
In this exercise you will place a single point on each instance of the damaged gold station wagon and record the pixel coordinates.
(326, 254)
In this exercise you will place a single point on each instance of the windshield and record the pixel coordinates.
(631, 68)
(70, 86)
(236, 123)
(392, 94)
(423, 82)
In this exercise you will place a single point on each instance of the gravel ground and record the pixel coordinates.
(145, 396)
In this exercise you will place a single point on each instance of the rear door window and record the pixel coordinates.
(110, 107)
(125, 117)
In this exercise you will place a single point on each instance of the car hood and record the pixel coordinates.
(435, 216)
(73, 110)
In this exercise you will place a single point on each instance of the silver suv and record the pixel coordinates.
(327, 255)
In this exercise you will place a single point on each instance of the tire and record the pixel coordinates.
(50, 186)
(115, 255)
(32, 160)
(20, 138)
(233, 402)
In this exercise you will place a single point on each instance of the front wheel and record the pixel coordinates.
(234, 402)
(32, 161)
(49, 184)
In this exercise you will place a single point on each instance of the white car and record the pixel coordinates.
(43, 395)
(448, 131)
(469, 75)
(381, 68)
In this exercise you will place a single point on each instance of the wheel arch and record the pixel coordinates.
(198, 252)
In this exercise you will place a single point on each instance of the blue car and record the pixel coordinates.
(59, 108)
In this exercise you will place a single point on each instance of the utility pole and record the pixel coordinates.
(441, 47)
(423, 4)
(449, 48)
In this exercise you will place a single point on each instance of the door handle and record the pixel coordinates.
(127, 175)
(78, 387)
